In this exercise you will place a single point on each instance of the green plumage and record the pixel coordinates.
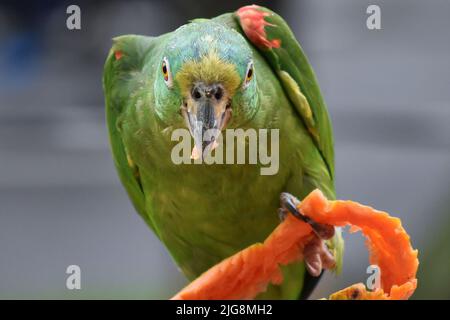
(205, 213)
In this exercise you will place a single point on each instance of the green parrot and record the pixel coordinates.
(242, 70)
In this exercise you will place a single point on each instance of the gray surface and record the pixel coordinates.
(60, 199)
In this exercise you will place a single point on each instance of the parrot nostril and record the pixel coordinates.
(219, 93)
(196, 93)
(200, 91)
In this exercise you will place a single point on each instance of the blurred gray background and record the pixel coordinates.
(61, 202)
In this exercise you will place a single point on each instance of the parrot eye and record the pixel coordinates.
(248, 74)
(165, 69)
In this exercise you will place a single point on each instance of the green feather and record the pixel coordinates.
(205, 213)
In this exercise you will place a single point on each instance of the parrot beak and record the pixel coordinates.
(206, 112)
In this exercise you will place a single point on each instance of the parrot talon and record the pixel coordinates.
(317, 257)
(282, 213)
(291, 203)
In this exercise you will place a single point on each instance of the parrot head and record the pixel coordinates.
(207, 76)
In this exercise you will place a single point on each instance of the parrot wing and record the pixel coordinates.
(273, 38)
(270, 34)
(121, 77)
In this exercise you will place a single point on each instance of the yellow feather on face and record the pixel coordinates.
(210, 69)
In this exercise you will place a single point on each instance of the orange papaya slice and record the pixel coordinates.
(248, 272)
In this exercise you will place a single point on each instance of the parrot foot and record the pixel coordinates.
(316, 253)
(318, 257)
(290, 203)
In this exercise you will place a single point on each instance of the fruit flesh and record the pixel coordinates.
(248, 272)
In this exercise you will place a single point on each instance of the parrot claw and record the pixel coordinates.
(318, 257)
(291, 203)
(316, 254)
(282, 214)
